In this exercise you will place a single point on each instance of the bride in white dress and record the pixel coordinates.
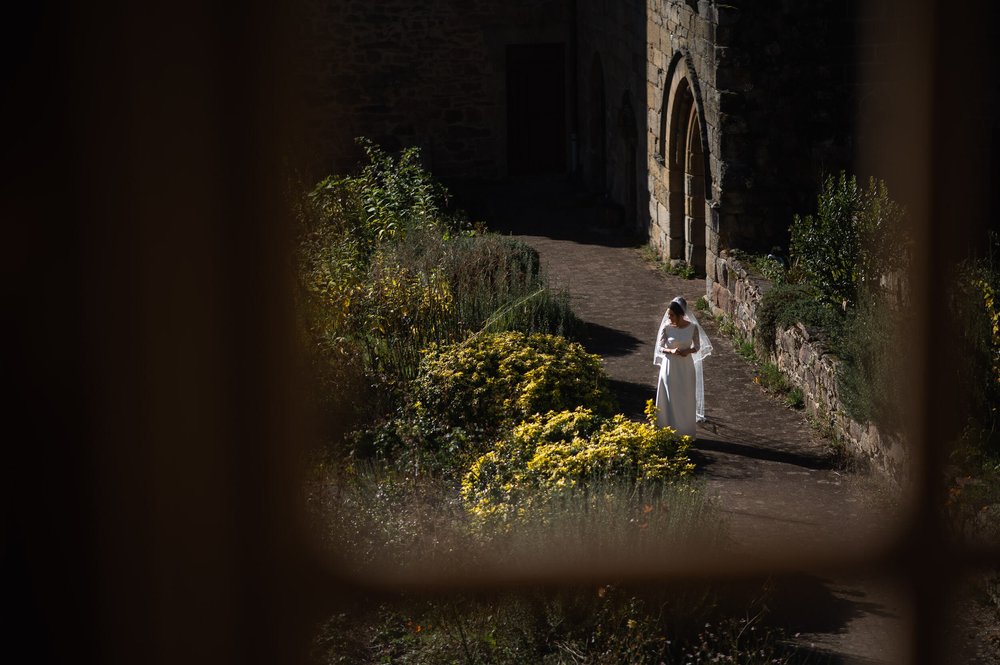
(680, 347)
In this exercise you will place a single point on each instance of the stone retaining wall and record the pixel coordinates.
(804, 357)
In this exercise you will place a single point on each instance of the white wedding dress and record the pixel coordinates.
(676, 387)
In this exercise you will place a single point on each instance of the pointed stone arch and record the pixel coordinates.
(685, 155)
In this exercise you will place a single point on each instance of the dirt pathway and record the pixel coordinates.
(775, 482)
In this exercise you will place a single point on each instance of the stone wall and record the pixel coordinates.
(612, 102)
(682, 47)
(773, 88)
(429, 73)
(789, 72)
(736, 293)
(806, 360)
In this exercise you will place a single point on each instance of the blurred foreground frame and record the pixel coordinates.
(169, 527)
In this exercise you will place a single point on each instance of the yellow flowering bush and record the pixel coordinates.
(570, 450)
(468, 395)
(494, 380)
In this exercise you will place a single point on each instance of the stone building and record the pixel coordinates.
(709, 124)
(483, 87)
(739, 112)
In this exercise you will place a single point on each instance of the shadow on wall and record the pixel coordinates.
(551, 206)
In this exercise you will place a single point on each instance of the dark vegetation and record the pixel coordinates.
(846, 282)
(467, 428)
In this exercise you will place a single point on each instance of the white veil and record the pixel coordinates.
(704, 350)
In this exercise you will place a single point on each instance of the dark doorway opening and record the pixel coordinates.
(536, 109)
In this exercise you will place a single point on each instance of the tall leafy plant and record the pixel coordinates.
(385, 273)
(855, 239)
(874, 378)
(390, 196)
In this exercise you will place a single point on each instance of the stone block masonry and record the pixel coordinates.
(426, 73)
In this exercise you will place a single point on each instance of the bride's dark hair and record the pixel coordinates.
(676, 308)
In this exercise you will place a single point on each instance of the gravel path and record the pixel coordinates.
(784, 500)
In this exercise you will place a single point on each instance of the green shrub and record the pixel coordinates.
(388, 198)
(467, 395)
(784, 305)
(675, 267)
(763, 265)
(974, 473)
(429, 290)
(342, 223)
(973, 484)
(384, 273)
(873, 377)
(593, 623)
(498, 286)
(570, 451)
(795, 399)
(726, 326)
(975, 306)
(771, 269)
(681, 269)
(856, 237)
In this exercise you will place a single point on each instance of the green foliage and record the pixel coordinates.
(767, 375)
(760, 264)
(975, 307)
(856, 237)
(726, 326)
(873, 378)
(343, 222)
(680, 268)
(746, 350)
(973, 484)
(784, 305)
(429, 291)
(795, 399)
(498, 286)
(770, 377)
(597, 623)
(570, 451)
(771, 269)
(974, 476)
(702, 305)
(385, 273)
(675, 267)
(388, 198)
(467, 395)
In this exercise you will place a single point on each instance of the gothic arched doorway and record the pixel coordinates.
(694, 196)
(688, 177)
(682, 102)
